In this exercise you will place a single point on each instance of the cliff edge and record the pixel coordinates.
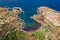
(9, 21)
(50, 20)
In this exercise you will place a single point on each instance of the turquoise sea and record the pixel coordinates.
(30, 8)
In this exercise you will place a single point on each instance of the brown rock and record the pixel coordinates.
(9, 20)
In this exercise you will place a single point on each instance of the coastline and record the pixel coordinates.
(41, 10)
(9, 19)
(12, 23)
(49, 28)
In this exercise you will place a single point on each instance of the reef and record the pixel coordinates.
(50, 20)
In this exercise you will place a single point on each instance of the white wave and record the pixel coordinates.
(18, 8)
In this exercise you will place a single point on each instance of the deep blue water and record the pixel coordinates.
(30, 8)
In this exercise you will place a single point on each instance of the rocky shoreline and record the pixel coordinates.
(11, 25)
(9, 20)
(48, 14)
(50, 20)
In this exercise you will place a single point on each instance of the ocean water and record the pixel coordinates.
(30, 8)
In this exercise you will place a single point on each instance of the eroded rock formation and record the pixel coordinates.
(9, 21)
(50, 20)
(48, 14)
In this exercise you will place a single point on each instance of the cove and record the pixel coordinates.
(30, 24)
(30, 8)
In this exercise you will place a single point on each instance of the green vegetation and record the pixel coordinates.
(46, 28)
(17, 35)
(20, 35)
(49, 38)
(39, 36)
(10, 36)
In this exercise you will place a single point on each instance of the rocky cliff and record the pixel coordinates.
(50, 20)
(9, 21)
(11, 25)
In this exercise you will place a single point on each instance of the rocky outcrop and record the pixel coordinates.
(50, 20)
(45, 13)
(9, 21)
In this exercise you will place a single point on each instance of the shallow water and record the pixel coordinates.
(30, 8)
(30, 24)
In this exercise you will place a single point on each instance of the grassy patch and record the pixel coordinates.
(17, 35)
(39, 36)
(10, 36)
(20, 35)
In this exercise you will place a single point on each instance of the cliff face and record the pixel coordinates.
(48, 14)
(50, 20)
(9, 21)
